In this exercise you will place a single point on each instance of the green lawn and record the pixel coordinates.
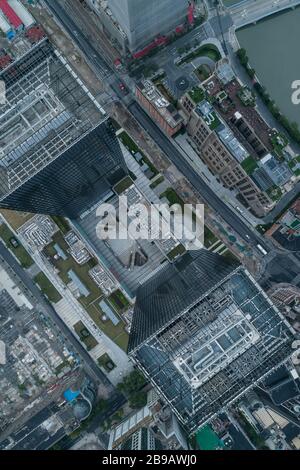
(172, 197)
(249, 165)
(203, 72)
(106, 362)
(7, 235)
(157, 182)
(85, 336)
(124, 184)
(62, 224)
(209, 238)
(47, 288)
(116, 333)
(178, 250)
(118, 301)
(208, 50)
(197, 94)
(133, 148)
(128, 142)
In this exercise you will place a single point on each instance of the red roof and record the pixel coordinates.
(5, 60)
(10, 14)
(35, 34)
(157, 42)
(191, 11)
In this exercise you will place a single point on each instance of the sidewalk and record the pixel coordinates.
(225, 194)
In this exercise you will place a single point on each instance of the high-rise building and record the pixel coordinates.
(204, 333)
(58, 153)
(144, 20)
(154, 427)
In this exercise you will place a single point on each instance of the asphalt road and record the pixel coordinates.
(92, 55)
(204, 190)
(158, 136)
(30, 285)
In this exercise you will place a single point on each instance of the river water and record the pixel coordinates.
(273, 49)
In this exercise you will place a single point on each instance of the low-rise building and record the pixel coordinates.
(159, 108)
(279, 173)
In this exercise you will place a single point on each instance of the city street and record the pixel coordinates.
(159, 137)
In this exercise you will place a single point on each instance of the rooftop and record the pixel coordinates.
(278, 172)
(47, 110)
(161, 104)
(233, 145)
(205, 333)
(206, 111)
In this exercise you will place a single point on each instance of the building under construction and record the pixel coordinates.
(58, 154)
(204, 333)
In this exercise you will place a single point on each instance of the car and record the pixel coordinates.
(122, 86)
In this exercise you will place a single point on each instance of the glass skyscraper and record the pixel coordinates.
(204, 333)
(58, 153)
(144, 20)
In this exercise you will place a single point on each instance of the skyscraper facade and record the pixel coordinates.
(58, 153)
(204, 333)
(144, 20)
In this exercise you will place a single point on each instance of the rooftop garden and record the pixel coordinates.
(106, 362)
(213, 121)
(64, 266)
(295, 165)
(117, 332)
(275, 193)
(197, 94)
(177, 251)
(247, 96)
(15, 246)
(119, 301)
(133, 148)
(85, 336)
(124, 184)
(249, 165)
(47, 288)
(62, 224)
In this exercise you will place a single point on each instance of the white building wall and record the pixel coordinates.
(22, 12)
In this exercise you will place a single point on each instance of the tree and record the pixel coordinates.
(132, 383)
(138, 400)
